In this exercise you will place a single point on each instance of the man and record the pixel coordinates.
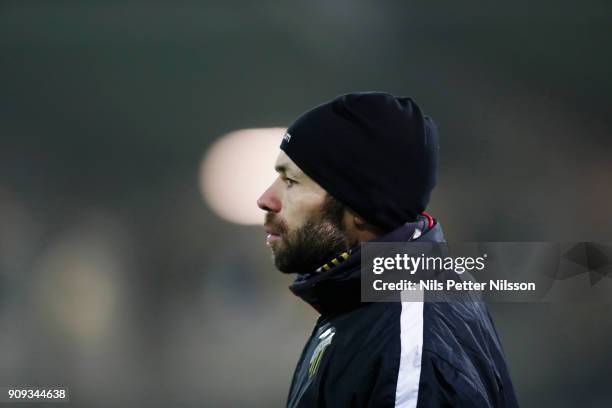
(356, 169)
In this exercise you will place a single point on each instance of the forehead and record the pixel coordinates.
(287, 167)
(285, 164)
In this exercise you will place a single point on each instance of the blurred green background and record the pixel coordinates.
(119, 282)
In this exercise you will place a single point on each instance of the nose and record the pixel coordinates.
(269, 200)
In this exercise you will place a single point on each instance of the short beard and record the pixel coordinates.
(320, 239)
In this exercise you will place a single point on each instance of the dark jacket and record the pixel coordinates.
(396, 354)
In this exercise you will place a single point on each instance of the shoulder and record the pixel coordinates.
(455, 329)
(462, 355)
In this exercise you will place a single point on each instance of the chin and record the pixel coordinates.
(282, 270)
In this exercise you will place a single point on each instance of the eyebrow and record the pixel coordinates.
(281, 168)
(284, 170)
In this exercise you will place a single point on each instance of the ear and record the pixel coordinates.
(352, 221)
(358, 229)
(359, 222)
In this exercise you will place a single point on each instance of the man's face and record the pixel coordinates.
(304, 224)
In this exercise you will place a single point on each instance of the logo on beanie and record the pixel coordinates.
(287, 137)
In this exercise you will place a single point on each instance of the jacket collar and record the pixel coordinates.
(338, 288)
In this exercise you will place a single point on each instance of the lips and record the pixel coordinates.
(273, 235)
(272, 238)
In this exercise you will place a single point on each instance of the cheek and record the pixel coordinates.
(297, 208)
(293, 215)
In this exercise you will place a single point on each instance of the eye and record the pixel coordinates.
(289, 182)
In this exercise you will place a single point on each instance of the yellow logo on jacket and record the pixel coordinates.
(325, 340)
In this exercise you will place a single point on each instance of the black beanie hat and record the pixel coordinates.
(373, 152)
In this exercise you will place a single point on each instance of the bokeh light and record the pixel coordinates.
(236, 170)
(80, 279)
